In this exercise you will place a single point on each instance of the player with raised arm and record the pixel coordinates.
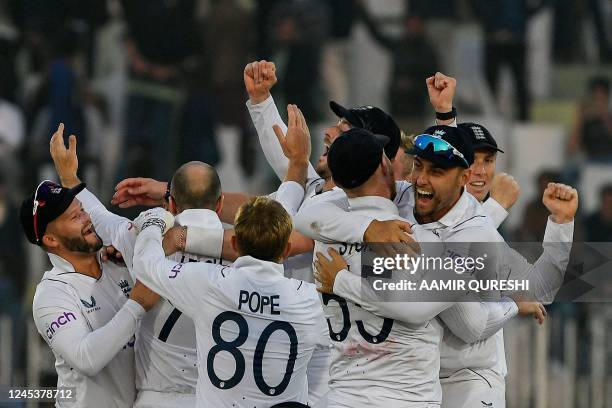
(86, 311)
(255, 328)
(166, 361)
(445, 208)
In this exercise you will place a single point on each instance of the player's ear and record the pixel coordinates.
(234, 244)
(287, 251)
(219, 204)
(464, 177)
(50, 241)
(172, 206)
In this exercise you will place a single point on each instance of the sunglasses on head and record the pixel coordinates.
(43, 189)
(440, 147)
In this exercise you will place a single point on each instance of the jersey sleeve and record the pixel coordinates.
(290, 195)
(113, 229)
(546, 275)
(349, 286)
(181, 283)
(325, 221)
(472, 320)
(495, 211)
(265, 115)
(60, 322)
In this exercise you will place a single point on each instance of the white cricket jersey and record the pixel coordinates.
(166, 360)
(89, 324)
(377, 361)
(255, 329)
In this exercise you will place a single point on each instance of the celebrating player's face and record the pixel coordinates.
(436, 189)
(75, 231)
(482, 173)
(331, 134)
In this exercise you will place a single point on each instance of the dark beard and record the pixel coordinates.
(79, 244)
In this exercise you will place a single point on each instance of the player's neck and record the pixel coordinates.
(84, 263)
(329, 184)
(373, 187)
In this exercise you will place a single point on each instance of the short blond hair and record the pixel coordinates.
(262, 228)
(406, 141)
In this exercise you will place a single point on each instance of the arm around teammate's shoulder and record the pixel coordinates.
(180, 283)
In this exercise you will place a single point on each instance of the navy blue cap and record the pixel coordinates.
(48, 202)
(480, 137)
(373, 119)
(455, 137)
(354, 156)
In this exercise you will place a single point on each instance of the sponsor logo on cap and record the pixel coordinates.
(478, 133)
(55, 190)
(62, 320)
(439, 133)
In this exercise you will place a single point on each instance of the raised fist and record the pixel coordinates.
(259, 78)
(562, 202)
(441, 89)
(505, 190)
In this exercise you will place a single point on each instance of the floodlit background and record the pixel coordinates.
(149, 84)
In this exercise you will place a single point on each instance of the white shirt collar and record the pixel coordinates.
(457, 212)
(61, 265)
(373, 203)
(259, 267)
(198, 218)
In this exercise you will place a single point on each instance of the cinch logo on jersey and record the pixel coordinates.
(125, 287)
(60, 321)
(90, 307)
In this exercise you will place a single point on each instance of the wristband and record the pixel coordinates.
(167, 193)
(447, 115)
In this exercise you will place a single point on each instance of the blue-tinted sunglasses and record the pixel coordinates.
(440, 147)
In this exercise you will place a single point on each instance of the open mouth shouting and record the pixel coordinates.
(423, 196)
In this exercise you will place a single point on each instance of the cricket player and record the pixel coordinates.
(442, 206)
(376, 360)
(484, 183)
(166, 361)
(255, 329)
(86, 311)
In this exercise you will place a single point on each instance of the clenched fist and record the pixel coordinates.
(562, 202)
(505, 190)
(259, 78)
(441, 89)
